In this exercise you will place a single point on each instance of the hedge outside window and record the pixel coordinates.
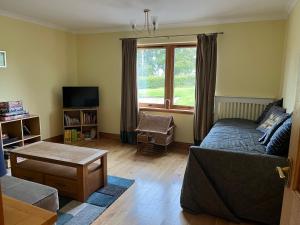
(166, 76)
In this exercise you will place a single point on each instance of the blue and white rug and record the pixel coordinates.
(77, 213)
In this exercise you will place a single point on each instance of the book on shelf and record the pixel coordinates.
(69, 121)
(8, 118)
(67, 138)
(16, 113)
(10, 140)
(71, 136)
(74, 135)
(11, 106)
(89, 118)
(11, 110)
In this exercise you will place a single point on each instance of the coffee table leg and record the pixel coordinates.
(104, 168)
(13, 163)
(81, 183)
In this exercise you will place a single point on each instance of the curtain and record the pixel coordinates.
(206, 67)
(129, 105)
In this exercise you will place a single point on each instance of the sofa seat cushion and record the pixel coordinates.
(234, 135)
(54, 169)
(32, 193)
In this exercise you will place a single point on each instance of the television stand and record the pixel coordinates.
(80, 124)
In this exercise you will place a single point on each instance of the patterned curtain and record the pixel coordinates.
(206, 67)
(129, 105)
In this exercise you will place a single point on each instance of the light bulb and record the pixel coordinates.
(154, 22)
(133, 24)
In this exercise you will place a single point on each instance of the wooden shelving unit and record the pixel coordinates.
(14, 129)
(81, 119)
(18, 138)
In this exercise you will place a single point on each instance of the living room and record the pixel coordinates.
(51, 45)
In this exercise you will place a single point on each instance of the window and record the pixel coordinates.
(151, 75)
(166, 76)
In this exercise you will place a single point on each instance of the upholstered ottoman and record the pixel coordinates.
(32, 193)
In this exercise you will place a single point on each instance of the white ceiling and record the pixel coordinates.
(115, 15)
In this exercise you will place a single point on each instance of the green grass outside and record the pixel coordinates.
(185, 95)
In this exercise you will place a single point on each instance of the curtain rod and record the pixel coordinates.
(175, 35)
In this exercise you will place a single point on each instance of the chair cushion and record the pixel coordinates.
(32, 193)
(279, 142)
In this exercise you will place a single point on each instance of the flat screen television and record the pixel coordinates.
(80, 97)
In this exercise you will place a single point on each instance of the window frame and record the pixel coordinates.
(169, 79)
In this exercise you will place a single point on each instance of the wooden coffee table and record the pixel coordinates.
(75, 171)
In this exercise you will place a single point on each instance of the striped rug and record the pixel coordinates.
(77, 213)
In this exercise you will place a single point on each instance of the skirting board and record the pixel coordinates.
(56, 139)
(117, 137)
(60, 139)
(109, 136)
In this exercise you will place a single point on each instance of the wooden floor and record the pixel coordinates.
(154, 197)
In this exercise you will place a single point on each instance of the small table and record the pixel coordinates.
(75, 171)
(21, 213)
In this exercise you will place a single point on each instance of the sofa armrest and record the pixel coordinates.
(32, 193)
(247, 183)
(238, 156)
(250, 168)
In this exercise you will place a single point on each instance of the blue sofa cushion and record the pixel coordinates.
(279, 142)
(275, 117)
(269, 134)
(268, 107)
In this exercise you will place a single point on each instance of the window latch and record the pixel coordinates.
(167, 103)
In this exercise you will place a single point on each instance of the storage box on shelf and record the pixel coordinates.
(80, 124)
(19, 132)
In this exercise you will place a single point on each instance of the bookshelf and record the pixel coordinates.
(80, 124)
(19, 132)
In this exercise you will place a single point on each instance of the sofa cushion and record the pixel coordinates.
(234, 135)
(268, 107)
(273, 119)
(32, 193)
(279, 142)
(270, 133)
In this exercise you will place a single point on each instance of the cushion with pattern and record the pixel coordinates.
(274, 116)
(268, 107)
(271, 131)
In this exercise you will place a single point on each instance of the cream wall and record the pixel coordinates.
(40, 61)
(249, 65)
(292, 59)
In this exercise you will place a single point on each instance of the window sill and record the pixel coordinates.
(183, 111)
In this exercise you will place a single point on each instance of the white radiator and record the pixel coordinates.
(239, 107)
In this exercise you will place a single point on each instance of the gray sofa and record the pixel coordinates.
(32, 193)
(229, 175)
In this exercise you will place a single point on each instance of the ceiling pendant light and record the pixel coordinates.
(149, 27)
